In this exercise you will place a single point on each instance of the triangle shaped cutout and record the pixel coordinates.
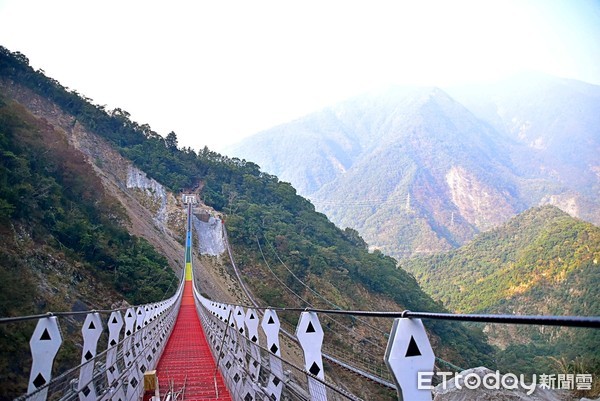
(271, 321)
(114, 321)
(92, 326)
(310, 328)
(45, 335)
(413, 348)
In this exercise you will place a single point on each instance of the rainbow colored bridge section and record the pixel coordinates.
(186, 368)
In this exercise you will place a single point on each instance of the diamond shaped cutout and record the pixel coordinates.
(276, 381)
(88, 355)
(314, 369)
(274, 348)
(39, 381)
(86, 390)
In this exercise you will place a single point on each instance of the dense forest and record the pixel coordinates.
(542, 262)
(258, 207)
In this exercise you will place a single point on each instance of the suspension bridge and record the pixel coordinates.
(189, 347)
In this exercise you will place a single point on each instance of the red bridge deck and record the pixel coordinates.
(187, 364)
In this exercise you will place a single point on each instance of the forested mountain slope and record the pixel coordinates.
(542, 262)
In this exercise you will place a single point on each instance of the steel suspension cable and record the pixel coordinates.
(285, 332)
(316, 293)
(306, 302)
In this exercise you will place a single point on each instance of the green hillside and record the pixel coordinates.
(541, 248)
(64, 246)
(540, 262)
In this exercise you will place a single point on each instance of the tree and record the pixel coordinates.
(171, 141)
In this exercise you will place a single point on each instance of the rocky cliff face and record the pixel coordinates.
(154, 213)
(210, 235)
(481, 205)
(153, 190)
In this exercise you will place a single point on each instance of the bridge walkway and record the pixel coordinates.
(187, 369)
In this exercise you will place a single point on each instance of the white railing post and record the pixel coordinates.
(91, 330)
(251, 321)
(310, 335)
(128, 339)
(410, 359)
(44, 343)
(115, 324)
(270, 325)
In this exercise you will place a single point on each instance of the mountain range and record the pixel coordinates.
(418, 170)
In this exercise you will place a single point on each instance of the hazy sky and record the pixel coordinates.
(216, 71)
